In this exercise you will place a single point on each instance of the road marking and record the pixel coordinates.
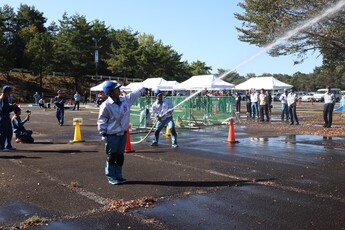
(266, 182)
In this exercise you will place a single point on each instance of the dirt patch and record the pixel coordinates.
(310, 125)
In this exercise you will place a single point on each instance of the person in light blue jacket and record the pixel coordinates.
(113, 125)
(162, 109)
(76, 100)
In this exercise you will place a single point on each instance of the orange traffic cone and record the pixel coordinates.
(128, 147)
(311, 101)
(231, 136)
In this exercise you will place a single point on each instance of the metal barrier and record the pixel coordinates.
(195, 112)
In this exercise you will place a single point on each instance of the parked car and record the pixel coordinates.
(318, 96)
(308, 97)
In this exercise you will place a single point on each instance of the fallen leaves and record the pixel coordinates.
(34, 221)
(122, 206)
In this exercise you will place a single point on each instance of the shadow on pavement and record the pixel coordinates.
(189, 183)
(18, 157)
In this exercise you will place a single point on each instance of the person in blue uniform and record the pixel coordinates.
(162, 109)
(113, 123)
(6, 131)
(59, 102)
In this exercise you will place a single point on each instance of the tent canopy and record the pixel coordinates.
(268, 83)
(168, 85)
(201, 82)
(98, 87)
(132, 86)
(153, 83)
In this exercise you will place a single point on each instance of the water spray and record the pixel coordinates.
(289, 34)
(286, 36)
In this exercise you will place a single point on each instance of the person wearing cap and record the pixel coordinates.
(292, 102)
(59, 102)
(162, 109)
(6, 131)
(112, 124)
(285, 108)
(22, 135)
(329, 100)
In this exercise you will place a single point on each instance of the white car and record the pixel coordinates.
(308, 97)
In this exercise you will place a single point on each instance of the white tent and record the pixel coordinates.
(201, 82)
(153, 83)
(132, 86)
(168, 85)
(268, 83)
(98, 87)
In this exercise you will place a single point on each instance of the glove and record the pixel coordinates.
(103, 138)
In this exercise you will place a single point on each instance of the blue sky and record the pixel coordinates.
(198, 29)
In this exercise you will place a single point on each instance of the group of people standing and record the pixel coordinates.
(289, 103)
(258, 104)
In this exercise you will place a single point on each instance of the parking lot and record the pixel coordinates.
(273, 178)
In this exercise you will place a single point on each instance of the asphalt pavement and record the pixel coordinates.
(262, 182)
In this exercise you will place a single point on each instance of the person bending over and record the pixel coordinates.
(22, 135)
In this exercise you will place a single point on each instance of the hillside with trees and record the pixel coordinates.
(62, 55)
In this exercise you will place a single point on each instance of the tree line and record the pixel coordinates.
(68, 47)
(265, 21)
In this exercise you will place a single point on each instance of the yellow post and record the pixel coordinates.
(77, 134)
(168, 131)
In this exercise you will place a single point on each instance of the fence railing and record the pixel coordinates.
(195, 112)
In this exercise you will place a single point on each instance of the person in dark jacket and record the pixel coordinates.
(59, 102)
(6, 108)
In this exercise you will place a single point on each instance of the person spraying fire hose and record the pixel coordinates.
(162, 109)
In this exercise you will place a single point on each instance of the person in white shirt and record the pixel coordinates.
(285, 108)
(254, 103)
(292, 100)
(328, 107)
(263, 100)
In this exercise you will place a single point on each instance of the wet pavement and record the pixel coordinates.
(263, 182)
